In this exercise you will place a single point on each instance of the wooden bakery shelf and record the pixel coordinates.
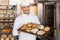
(6, 18)
(7, 22)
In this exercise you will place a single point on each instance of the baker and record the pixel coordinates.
(25, 18)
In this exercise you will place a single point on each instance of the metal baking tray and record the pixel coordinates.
(45, 34)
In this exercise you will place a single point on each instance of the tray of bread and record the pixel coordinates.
(35, 29)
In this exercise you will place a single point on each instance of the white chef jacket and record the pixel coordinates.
(24, 19)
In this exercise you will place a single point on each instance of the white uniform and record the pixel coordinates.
(24, 19)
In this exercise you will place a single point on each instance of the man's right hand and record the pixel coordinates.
(19, 32)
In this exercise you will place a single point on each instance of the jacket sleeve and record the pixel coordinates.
(16, 26)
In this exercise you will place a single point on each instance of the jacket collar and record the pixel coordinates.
(26, 14)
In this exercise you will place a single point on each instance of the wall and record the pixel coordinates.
(58, 21)
(40, 12)
(53, 0)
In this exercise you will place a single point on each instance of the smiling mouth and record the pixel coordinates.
(26, 10)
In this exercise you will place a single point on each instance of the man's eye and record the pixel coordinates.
(27, 6)
(23, 7)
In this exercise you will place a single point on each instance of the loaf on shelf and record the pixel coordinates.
(12, 16)
(6, 16)
(4, 7)
(12, 39)
(10, 36)
(2, 39)
(6, 29)
(3, 36)
(1, 16)
(7, 37)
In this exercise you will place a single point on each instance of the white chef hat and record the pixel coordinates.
(26, 3)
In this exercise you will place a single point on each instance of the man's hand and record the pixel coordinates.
(19, 32)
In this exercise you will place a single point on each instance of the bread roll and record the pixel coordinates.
(9, 30)
(46, 29)
(12, 38)
(4, 7)
(6, 23)
(6, 30)
(34, 30)
(2, 20)
(7, 38)
(1, 24)
(40, 27)
(34, 26)
(41, 32)
(6, 20)
(11, 24)
(11, 20)
(1, 16)
(6, 16)
(3, 36)
(28, 29)
(11, 16)
(24, 27)
(30, 24)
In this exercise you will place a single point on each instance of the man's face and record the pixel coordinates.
(26, 9)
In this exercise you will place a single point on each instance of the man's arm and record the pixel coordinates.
(16, 26)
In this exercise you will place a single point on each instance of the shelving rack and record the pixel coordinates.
(7, 13)
(7, 16)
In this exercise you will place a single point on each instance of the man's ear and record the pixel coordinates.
(21, 8)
